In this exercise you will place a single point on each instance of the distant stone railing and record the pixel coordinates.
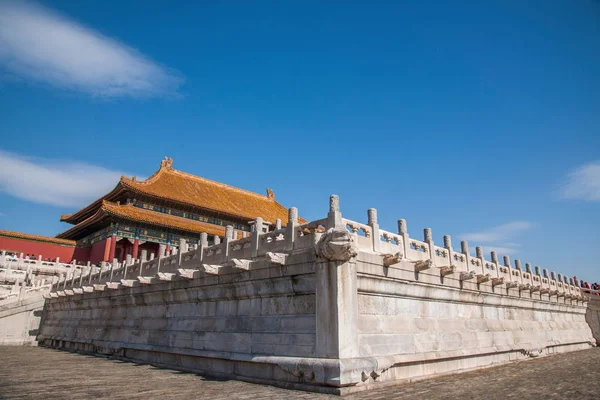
(234, 255)
(35, 266)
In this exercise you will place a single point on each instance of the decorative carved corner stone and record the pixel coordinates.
(113, 285)
(336, 245)
(497, 282)
(544, 291)
(241, 264)
(447, 270)
(464, 276)
(423, 265)
(167, 276)
(147, 280)
(483, 278)
(277, 258)
(130, 282)
(534, 289)
(189, 273)
(512, 285)
(391, 259)
(88, 289)
(211, 269)
(524, 286)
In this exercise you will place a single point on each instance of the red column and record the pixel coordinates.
(113, 248)
(136, 244)
(107, 243)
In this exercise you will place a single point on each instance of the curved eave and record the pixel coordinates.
(166, 221)
(83, 214)
(96, 217)
(108, 209)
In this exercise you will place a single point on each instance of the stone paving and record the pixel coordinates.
(36, 373)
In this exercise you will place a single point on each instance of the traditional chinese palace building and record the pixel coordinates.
(168, 206)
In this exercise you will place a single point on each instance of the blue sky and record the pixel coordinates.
(476, 119)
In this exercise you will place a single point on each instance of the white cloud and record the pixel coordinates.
(583, 183)
(499, 233)
(55, 182)
(500, 250)
(41, 45)
(500, 238)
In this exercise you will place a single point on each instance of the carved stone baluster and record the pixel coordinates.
(403, 231)
(376, 236)
(428, 238)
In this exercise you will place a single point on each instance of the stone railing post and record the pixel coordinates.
(334, 217)
(3, 258)
(518, 265)
(144, 256)
(428, 238)
(183, 248)
(464, 249)
(203, 245)
(114, 265)
(537, 271)
(278, 223)
(81, 275)
(448, 246)
(290, 229)
(161, 250)
(228, 239)
(73, 278)
(528, 268)
(479, 255)
(403, 231)
(372, 222)
(217, 240)
(255, 237)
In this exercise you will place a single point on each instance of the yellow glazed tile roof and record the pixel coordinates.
(171, 184)
(180, 187)
(36, 238)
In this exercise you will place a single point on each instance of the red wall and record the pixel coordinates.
(82, 254)
(97, 251)
(46, 250)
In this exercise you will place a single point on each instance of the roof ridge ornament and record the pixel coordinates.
(270, 193)
(167, 162)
